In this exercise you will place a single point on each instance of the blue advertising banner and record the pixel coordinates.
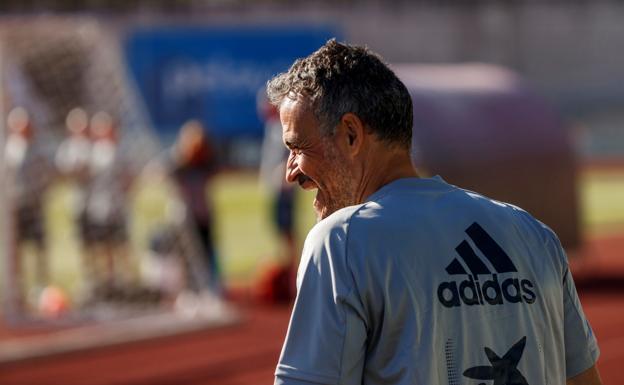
(213, 74)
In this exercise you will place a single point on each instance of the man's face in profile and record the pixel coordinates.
(315, 161)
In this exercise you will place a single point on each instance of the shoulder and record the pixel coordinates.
(324, 260)
(499, 210)
(341, 242)
(328, 239)
(513, 222)
(333, 230)
(531, 226)
(344, 222)
(519, 217)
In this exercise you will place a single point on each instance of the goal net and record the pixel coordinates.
(92, 223)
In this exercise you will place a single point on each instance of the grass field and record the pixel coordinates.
(246, 239)
(246, 236)
(602, 200)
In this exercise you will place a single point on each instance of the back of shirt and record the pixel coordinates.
(430, 284)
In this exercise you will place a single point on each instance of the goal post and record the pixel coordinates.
(97, 238)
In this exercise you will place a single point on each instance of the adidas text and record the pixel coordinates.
(489, 292)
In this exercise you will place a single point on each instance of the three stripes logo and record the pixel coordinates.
(494, 290)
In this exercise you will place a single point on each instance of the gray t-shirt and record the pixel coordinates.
(428, 284)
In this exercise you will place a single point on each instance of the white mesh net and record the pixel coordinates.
(87, 232)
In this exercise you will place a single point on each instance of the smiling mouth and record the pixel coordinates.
(303, 180)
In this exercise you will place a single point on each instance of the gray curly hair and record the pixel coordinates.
(340, 78)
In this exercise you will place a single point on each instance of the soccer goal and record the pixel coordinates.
(93, 228)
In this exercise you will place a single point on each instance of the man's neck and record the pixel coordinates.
(383, 168)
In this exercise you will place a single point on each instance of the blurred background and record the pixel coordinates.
(146, 234)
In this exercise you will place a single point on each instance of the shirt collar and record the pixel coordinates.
(408, 183)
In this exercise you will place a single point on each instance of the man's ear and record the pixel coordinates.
(353, 132)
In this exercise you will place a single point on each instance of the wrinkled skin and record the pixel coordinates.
(315, 161)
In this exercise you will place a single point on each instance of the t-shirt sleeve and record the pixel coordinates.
(326, 339)
(581, 347)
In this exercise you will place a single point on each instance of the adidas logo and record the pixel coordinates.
(492, 291)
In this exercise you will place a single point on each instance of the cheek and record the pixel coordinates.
(309, 165)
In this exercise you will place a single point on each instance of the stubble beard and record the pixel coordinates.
(344, 188)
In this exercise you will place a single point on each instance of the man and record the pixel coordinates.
(27, 180)
(72, 163)
(407, 280)
(193, 165)
(105, 233)
(278, 283)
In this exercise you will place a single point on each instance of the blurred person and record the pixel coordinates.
(72, 161)
(410, 280)
(27, 180)
(105, 217)
(165, 271)
(278, 283)
(193, 164)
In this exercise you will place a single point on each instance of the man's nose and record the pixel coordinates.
(292, 168)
